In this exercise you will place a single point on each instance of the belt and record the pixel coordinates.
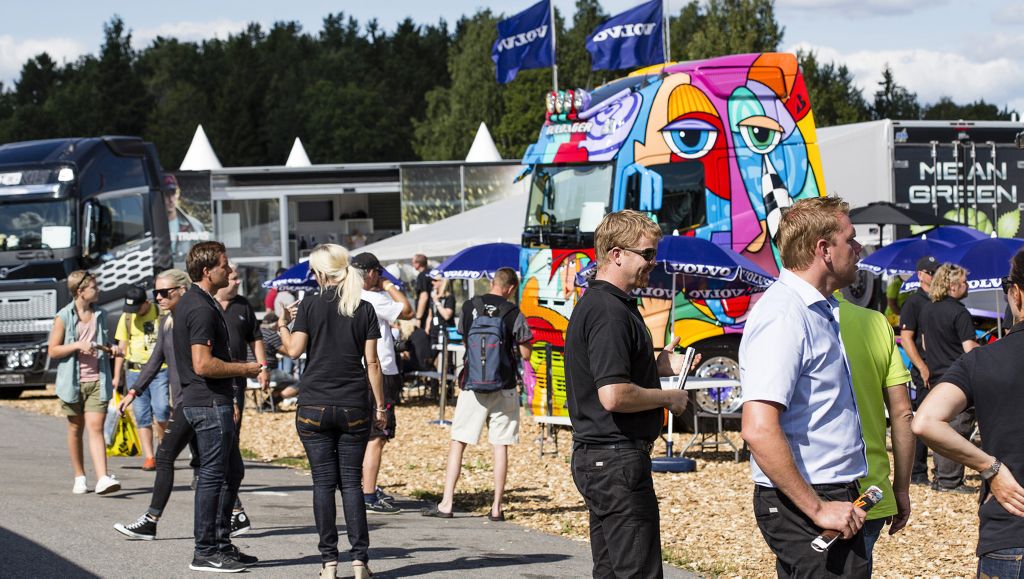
(822, 487)
(632, 444)
(133, 366)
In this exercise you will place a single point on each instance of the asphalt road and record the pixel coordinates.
(46, 531)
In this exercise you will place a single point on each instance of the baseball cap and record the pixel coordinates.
(366, 262)
(928, 264)
(133, 299)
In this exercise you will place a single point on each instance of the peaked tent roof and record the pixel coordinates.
(298, 156)
(200, 155)
(483, 149)
(494, 222)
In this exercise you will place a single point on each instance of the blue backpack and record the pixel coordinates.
(487, 354)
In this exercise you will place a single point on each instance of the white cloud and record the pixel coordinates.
(187, 31)
(934, 74)
(859, 8)
(14, 53)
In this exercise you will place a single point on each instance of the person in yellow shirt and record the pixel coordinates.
(136, 334)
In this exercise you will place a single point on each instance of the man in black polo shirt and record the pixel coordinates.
(245, 337)
(910, 338)
(615, 400)
(201, 350)
(988, 378)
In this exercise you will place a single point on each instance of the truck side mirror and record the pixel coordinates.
(92, 235)
(650, 186)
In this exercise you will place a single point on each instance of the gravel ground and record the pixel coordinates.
(706, 520)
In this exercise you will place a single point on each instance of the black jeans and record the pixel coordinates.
(177, 436)
(335, 441)
(949, 473)
(789, 532)
(220, 475)
(625, 532)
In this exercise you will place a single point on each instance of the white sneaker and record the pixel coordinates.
(79, 488)
(107, 485)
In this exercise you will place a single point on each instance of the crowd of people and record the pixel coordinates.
(822, 380)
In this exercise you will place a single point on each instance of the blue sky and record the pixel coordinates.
(937, 47)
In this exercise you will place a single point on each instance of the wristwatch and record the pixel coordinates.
(991, 471)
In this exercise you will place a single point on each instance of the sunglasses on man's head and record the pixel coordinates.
(648, 254)
(164, 293)
(1007, 283)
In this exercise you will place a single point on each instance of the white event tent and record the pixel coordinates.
(494, 222)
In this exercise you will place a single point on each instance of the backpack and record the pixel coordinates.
(487, 354)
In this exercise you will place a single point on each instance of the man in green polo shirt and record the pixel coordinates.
(879, 382)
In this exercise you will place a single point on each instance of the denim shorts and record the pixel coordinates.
(153, 404)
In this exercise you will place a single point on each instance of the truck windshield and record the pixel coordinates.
(558, 194)
(36, 224)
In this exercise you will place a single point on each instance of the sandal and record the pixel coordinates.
(435, 512)
(362, 572)
(500, 518)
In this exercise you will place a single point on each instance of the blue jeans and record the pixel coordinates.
(1004, 564)
(872, 529)
(335, 441)
(220, 475)
(153, 405)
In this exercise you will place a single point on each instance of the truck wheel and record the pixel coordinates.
(10, 393)
(865, 291)
(719, 359)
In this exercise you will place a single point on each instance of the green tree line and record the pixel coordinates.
(354, 92)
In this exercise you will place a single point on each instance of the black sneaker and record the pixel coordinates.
(382, 507)
(383, 496)
(216, 563)
(919, 479)
(143, 529)
(233, 552)
(240, 524)
(960, 489)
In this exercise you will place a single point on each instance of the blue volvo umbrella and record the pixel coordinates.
(479, 261)
(955, 234)
(299, 278)
(900, 257)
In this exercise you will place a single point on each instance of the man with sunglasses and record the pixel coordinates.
(988, 378)
(615, 400)
(136, 335)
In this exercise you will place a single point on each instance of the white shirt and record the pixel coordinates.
(791, 354)
(388, 311)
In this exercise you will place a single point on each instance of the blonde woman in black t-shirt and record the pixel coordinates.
(337, 331)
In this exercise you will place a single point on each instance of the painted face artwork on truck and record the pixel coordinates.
(712, 149)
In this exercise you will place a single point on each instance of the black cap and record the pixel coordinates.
(928, 264)
(134, 298)
(366, 262)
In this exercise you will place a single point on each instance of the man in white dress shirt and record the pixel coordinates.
(800, 416)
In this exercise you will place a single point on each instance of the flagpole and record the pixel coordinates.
(668, 32)
(554, 36)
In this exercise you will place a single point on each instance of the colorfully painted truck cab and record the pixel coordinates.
(713, 149)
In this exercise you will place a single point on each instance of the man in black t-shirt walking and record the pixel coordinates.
(422, 290)
(910, 338)
(202, 354)
(615, 400)
(499, 409)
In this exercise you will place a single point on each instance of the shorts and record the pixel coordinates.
(499, 409)
(88, 400)
(392, 389)
(153, 405)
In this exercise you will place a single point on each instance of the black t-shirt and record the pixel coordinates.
(437, 322)
(910, 319)
(243, 327)
(423, 285)
(516, 330)
(990, 379)
(198, 320)
(606, 343)
(334, 374)
(420, 354)
(945, 325)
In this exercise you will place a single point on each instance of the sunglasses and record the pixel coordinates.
(648, 254)
(164, 293)
(1007, 283)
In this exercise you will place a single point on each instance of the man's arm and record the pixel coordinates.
(762, 431)
(421, 309)
(910, 347)
(399, 296)
(205, 364)
(259, 350)
(897, 399)
(931, 424)
(969, 345)
(627, 398)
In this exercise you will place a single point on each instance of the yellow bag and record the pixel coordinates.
(125, 441)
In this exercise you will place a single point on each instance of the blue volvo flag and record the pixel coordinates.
(630, 39)
(524, 41)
